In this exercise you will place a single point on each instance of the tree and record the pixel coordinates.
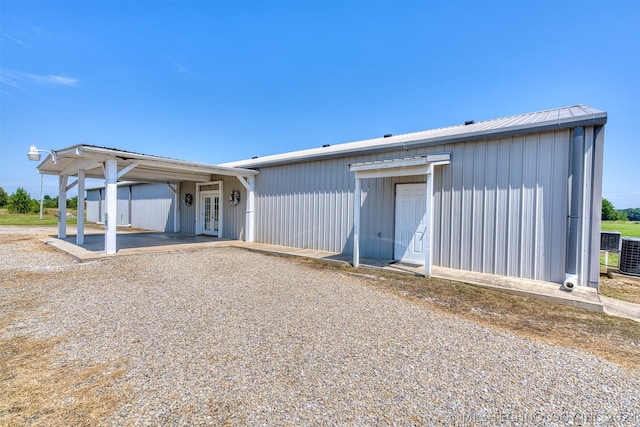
(608, 211)
(633, 214)
(72, 202)
(4, 198)
(50, 203)
(20, 201)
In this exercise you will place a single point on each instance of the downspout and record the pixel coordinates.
(576, 166)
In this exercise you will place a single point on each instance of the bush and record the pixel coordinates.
(20, 201)
(35, 206)
(4, 198)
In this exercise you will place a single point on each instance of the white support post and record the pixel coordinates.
(176, 205)
(176, 210)
(427, 234)
(111, 203)
(249, 216)
(80, 226)
(357, 202)
(62, 207)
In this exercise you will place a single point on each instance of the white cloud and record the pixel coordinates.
(15, 40)
(17, 79)
(55, 80)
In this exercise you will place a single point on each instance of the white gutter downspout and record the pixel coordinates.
(576, 177)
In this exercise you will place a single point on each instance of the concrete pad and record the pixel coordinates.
(134, 243)
(616, 307)
(581, 297)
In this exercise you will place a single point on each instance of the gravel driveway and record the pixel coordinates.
(223, 335)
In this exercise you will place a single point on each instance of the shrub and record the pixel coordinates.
(20, 201)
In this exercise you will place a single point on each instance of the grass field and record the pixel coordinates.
(49, 218)
(626, 228)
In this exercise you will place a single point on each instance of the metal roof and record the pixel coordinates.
(141, 167)
(557, 118)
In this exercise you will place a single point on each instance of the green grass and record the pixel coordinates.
(31, 219)
(626, 228)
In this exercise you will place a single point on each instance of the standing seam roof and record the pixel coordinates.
(557, 118)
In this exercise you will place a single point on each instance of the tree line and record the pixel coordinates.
(21, 202)
(609, 213)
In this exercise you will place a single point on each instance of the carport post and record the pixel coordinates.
(427, 231)
(111, 203)
(62, 207)
(250, 217)
(356, 223)
(80, 224)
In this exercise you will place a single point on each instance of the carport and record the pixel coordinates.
(89, 161)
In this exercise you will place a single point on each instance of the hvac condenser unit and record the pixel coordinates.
(630, 256)
(609, 241)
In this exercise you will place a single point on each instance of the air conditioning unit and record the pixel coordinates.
(630, 256)
(609, 241)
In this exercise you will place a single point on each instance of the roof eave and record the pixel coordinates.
(595, 119)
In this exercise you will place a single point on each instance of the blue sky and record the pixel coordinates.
(222, 81)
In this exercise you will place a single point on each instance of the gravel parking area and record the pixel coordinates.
(227, 336)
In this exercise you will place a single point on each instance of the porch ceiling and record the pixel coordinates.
(132, 166)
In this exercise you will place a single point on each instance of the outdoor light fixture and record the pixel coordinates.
(34, 154)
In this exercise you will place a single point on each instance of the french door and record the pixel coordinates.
(210, 213)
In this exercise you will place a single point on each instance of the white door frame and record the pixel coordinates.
(198, 207)
(425, 223)
(421, 165)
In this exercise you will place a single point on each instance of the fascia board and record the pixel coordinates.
(400, 143)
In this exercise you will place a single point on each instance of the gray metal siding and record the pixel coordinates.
(306, 205)
(233, 217)
(152, 207)
(124, 205)
(500, 206)
(187, 212)
(505, 210)
(93, 205)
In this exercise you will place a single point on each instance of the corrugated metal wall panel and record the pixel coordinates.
(233, 217)
(514, 213)
(152, 207)
(124, 205)
(93, 205)
(489, 227)
(499, 207)
(187, 212)
(305, 205)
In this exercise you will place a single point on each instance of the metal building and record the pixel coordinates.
(146, 206)
(516, 196)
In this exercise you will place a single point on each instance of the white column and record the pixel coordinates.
(62, 207)
(249, 216)
(357, 202)
(111, 203)
(80, 226)
(427, 233)
(176, 211)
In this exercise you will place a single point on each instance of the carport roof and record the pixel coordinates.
(132, 166)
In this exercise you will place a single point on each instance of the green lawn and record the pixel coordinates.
(626, 228)
(31, 219)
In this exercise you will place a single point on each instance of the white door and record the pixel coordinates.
(412, 220)
(210, 213)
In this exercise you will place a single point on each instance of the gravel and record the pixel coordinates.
(227, 336)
